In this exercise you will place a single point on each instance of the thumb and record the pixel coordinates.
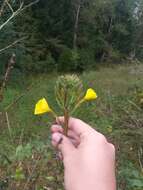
(63, 144)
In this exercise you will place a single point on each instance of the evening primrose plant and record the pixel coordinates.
(69, 97)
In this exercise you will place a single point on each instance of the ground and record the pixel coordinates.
(27, 160)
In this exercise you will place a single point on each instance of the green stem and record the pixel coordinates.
(54, 114)
(66, 116)
(77, 105)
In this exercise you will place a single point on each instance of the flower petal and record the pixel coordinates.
(42, 107)
(90, 95)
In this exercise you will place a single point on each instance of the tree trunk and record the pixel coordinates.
(76, 25)
(10, 66)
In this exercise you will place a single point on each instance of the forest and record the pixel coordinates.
(73, 35)
(98, 41)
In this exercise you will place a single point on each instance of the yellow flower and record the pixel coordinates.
(42, 107)
(90, 95)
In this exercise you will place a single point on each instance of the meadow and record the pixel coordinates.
(27, 159)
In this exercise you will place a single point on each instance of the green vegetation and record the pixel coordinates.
(26, 156)
(101, 40)
(72, 35)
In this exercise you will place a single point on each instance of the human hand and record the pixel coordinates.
(89, 160)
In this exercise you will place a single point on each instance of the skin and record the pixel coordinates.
(89, 160)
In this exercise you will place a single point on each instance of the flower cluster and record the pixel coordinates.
(42, 105)
(69, 96)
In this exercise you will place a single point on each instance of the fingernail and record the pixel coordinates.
(57, 137)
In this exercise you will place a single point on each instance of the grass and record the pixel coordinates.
(117, 113)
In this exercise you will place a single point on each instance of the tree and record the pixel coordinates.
(138, 32)
(7, 17)
(91, 30)
(8, 11)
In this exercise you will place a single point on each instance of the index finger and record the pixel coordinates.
(76, 125)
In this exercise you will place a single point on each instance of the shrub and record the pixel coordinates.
(87, 60)
(76, 60)
(26, 63)
(68, 60)
(31, 64)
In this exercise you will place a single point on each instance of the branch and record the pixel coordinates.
(10, 45)
(8, 125)
(2, 8)
(10, 18)
(11, 64)
(76, 25)
(140, 153)
(29, 5)
(18, 98)
(18, 11)
(10, 7)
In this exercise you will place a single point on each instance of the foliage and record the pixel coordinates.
(107, 31)
(117, 114)
(131, 176)
(68, 60)
(33, 64)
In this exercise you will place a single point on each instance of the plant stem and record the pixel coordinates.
(54, 114)
(66, 113)
(9, 127)
(66, 116)
(77, 105)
